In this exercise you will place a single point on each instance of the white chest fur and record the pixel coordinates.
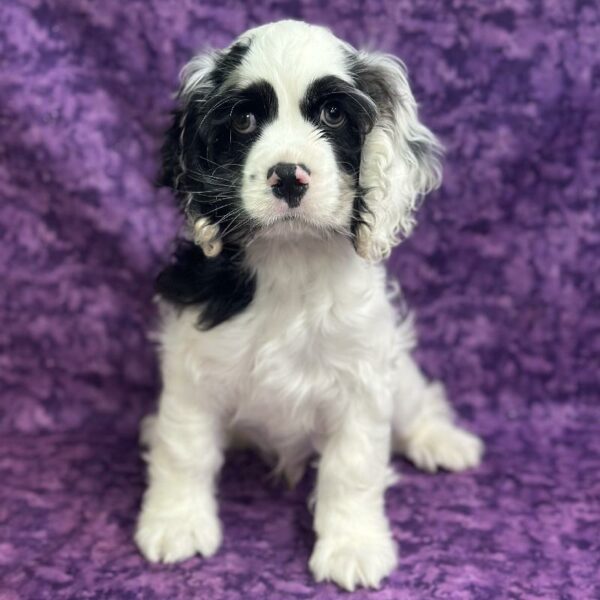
(320, 322)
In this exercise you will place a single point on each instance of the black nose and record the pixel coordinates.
(289, 182)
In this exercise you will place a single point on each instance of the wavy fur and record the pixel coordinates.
(301, 350)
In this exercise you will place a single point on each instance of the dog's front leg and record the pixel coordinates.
(354, 544)
(179, 516)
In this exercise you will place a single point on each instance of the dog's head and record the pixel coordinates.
(292, 131)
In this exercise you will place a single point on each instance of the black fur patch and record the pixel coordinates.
(221, 284)
(227, 62)
(374, 82)
(347, 140)
(360, 111)
(203, 158)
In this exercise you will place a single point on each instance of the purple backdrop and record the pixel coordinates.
(503, 271)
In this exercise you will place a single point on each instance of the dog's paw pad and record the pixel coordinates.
(444, 446)
(353, 562)
(173, 537)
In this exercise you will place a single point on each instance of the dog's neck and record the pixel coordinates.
(290, 264)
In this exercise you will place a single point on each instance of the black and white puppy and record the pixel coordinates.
(298, 162)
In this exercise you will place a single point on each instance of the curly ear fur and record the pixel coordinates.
(401, 157)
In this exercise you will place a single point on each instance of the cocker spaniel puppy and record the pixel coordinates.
(298, 162)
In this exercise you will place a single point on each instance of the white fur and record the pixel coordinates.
(290, 56)
(319, 362)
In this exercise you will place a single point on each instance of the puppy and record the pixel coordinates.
(298, 162)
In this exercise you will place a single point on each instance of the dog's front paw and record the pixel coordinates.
(353, 561)
(443, 445)
(172, 536)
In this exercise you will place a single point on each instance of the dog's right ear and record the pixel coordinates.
(202, 78)
(185, 161)
(196, 85)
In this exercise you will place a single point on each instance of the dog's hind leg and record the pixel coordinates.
(424, 429)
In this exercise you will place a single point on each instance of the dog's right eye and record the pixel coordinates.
(243, 122)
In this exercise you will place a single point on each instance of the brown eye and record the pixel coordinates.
(332, 115)
(243, 122)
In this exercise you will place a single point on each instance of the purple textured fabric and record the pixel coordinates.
(503, 273)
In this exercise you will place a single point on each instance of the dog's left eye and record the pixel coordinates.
(332, 115)
(243, 122)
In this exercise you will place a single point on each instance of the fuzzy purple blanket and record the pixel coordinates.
(503, 271)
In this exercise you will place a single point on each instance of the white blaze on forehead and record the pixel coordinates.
(290, 55)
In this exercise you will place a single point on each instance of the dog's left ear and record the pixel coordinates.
(400, 160)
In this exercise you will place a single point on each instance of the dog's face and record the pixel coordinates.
(291, 131)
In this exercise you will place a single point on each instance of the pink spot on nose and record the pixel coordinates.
(302, 176)
(273, 179)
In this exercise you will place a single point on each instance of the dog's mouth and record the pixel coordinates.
(296, 225)
(292, 222)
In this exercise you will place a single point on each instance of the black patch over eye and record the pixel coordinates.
(332, 115)
(344, 114)
(332, 102)
(232, 118)
(204, 153)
